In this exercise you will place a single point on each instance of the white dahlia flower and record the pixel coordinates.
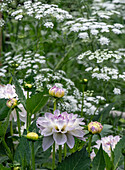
(61, 128)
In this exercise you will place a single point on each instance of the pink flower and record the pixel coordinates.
(61, 128)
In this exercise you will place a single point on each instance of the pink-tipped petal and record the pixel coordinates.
(47, 142)
(70, 141)
(56, 112)
(59, 138)
(77, 133)
(47, 131)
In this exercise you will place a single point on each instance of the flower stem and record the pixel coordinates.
(54, 104)
(124, 162)
(33, 156)
(27, 123)
(53, 160)
(65, 150)
(82, 100)
(11, 128)
(18, 123)
(89, 144)
(60, 153)
(7, 149)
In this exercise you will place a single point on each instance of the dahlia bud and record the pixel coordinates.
(84, 81)
(56, 92)
(32, 136)
(11, 103)
(27, 86)
(14, 65)
(95, 127)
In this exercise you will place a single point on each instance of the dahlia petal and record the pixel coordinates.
(47, 142)
(47, 131)
(70, 141)
(77, 133)
(56, 112)
(59, 138)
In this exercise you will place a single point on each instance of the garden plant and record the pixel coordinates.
(62, 85)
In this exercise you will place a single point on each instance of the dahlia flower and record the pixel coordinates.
(108, 143)
(7, 91)
(61, 128)
(95, 127)
(56, 92)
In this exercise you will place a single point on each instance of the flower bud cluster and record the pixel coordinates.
(11, 103)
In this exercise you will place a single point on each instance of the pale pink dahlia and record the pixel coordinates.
(61, 128)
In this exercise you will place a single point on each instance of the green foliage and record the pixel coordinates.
(118, 156)
(4, 109)
(19, 91)
(4, 168)
(36, 102)
(99, 161)
(78, 160)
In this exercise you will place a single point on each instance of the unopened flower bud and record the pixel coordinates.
(84, 81)
(14, 65)
(56, 92)
(27, 86)
(11, 103)
(32, 136)
(16, 168)
(95, 127)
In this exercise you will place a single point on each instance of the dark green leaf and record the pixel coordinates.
(99, 161)
(3, 109)
(107, 161)
(76, 161)
(118, 156)
(36, 102)
(4, 168)
(19, 92)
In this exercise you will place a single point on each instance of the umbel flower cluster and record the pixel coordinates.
(60, 128)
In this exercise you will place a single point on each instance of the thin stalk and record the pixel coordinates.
(11, 128)
(18, 123)
(7, 149)
(89, 144)
(82, 100)
(53, 158)
(27, 123)
(65, 150)
(33, 156)
(60, 153)
(54, 104)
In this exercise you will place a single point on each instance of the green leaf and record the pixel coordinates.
(23, 152)
(4, 168)
(118, 156)
(19, 92)
(3, 109)
(107, 161)
(104, 113)
(36, 102)
(99, 162)
(76, 161)
(3, 158)
(4, 125)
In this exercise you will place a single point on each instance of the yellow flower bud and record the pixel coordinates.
(95, 127)
(56, 92)
(28, 86)
(32, 136)
(11, 103)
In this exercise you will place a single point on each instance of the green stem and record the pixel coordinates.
(27, 123)
(60, 153)
(89, 144)
(11, 128)
(82, 100)
(7, 149)
(65, 150)
(53, 160)
(33, 156)
(54, 104)
(18, 123)
(10, 80)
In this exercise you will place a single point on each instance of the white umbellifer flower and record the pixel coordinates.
(83, 35)
(117, 91)
(60, 128)
(104, 41)
(49, 25)
(108, 143)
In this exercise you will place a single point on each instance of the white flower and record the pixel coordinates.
(60, 128)
(104, 41)
(49, 25)
(7, 91)
(117, 91)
